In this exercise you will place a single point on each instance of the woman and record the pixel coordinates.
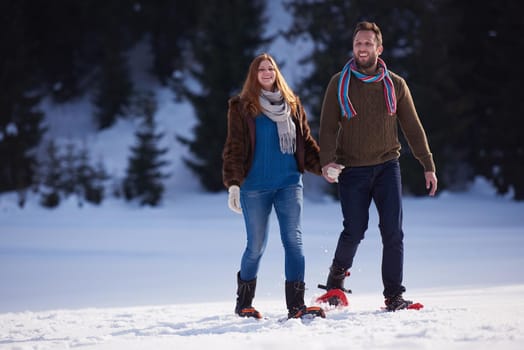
(267, 149)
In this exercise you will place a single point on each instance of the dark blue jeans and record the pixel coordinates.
(256, 208)
(357, 187)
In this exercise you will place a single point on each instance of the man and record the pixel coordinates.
(359, 149)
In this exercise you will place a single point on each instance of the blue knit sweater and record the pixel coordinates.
(271, 169)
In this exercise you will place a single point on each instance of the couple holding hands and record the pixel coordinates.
(269, 146)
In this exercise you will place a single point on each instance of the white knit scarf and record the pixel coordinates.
(278, 110)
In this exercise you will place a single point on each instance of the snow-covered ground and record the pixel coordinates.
(121, 277)
(480, 319)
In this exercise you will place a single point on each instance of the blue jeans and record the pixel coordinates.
(257, 207)
(357, 187)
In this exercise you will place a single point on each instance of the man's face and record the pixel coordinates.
(366, 49)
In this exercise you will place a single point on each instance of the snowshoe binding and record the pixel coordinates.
(306, 312)
(335, 295)
(249, 312)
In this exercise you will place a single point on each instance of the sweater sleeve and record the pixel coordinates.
(311, 149)
(329, 122)
(412, 127)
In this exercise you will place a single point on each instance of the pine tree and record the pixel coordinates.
(117, 27)
(90, 180)
(170, 24)
(20, 134)
(113, 90)
(67, 170)
(51, 177)
(144, 174)
(69, 165)
(489, 104)
(21, 119)
(226, 40)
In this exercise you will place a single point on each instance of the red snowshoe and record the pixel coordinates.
(333, 297)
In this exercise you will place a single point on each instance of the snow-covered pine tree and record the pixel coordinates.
(144, 174)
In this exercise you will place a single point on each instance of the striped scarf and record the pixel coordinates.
(343, 87)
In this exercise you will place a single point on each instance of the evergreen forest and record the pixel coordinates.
(455, 56)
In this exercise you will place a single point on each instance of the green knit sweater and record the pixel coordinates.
(370, 137)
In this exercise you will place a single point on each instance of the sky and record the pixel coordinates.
(119, 276)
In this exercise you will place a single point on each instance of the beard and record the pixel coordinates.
(367, 63)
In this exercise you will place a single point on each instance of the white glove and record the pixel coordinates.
(233, 200)
(331, 172)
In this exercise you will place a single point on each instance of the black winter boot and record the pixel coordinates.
(397, 302)
(336, 277)
(245, 295)
(295, 302)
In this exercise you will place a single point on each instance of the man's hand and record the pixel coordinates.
(331, 171)
(431, 182)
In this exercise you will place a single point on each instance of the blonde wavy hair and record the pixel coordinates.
(251, 89)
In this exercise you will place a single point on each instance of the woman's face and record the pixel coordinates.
(266, 75)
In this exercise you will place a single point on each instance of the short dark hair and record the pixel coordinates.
(369, 26)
